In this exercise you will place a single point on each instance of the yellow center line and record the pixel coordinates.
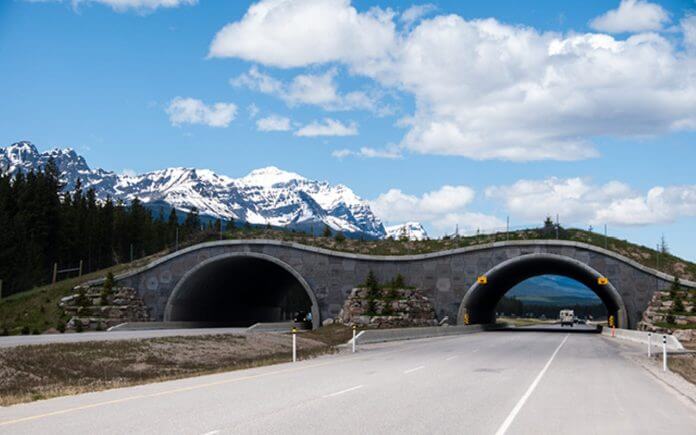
(204, 385)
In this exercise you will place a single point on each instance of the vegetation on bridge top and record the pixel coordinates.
(660, 260)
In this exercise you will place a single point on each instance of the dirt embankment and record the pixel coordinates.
(42, 371)
(685, 365)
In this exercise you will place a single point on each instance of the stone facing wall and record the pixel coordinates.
(443, 277)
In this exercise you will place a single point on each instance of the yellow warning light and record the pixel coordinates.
(483, 279)
(466, 318)
(602, 281)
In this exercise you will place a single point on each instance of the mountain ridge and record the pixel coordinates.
(265, 196)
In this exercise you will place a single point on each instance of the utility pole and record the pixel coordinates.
(507, 229)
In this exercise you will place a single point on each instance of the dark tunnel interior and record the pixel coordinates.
(481, 303)
(239, 291)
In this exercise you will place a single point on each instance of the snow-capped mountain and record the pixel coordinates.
(264, 196)
(409, 230)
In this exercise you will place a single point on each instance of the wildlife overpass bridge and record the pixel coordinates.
(245, 281)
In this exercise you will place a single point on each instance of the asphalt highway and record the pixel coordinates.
(484, 383)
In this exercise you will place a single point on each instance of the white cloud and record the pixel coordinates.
(328, 127)
(390, 152)
(303, 32)
(273, 123)
(193, 111)
(253, 110)
(314, 89)
(137, 5)
(442, 209)
(577, 200)
(632, 16)
(416, 12)
(688, 26)
(487, 90)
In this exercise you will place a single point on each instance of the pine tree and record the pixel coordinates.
(327, 231)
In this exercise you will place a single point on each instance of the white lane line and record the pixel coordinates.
(212, 432)
(508, 421)
(450, 358)
(347, 390)
(413, 369)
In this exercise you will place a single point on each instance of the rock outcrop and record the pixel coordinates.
(661, 317)
(97, 308)
(388, 308)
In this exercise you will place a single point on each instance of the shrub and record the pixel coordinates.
(678, 306)
(82, 299)
(371, 307)
(60, 326)
(25, 330)
(670, 318)
(35, 332)
(372, 285)
(326, 232)
(109, 282)
(100, 327)
(674, 288)
(4, 331)
(398, 282)
(340, 238)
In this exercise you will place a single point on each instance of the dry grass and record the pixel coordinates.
(685, 365)
(37, 372)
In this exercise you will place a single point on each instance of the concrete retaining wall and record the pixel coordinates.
(673, 343)
(396, 334)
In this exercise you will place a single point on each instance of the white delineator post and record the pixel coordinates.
(649, 344)
(664, 353)
(354, 338)
(294, 344)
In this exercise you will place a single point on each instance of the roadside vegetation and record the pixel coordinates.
(37, 372)
(660, 259)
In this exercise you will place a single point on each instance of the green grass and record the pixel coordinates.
(37, 310)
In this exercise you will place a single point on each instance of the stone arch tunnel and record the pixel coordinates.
(262, 280)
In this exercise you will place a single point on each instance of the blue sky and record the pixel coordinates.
(482, 125)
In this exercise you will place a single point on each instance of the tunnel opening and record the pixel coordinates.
(240, 290)
(542, 298)
(481, 300)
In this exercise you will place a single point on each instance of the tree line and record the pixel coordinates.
(41, 225)
(512, 306)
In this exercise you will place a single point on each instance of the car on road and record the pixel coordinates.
(567, 317)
